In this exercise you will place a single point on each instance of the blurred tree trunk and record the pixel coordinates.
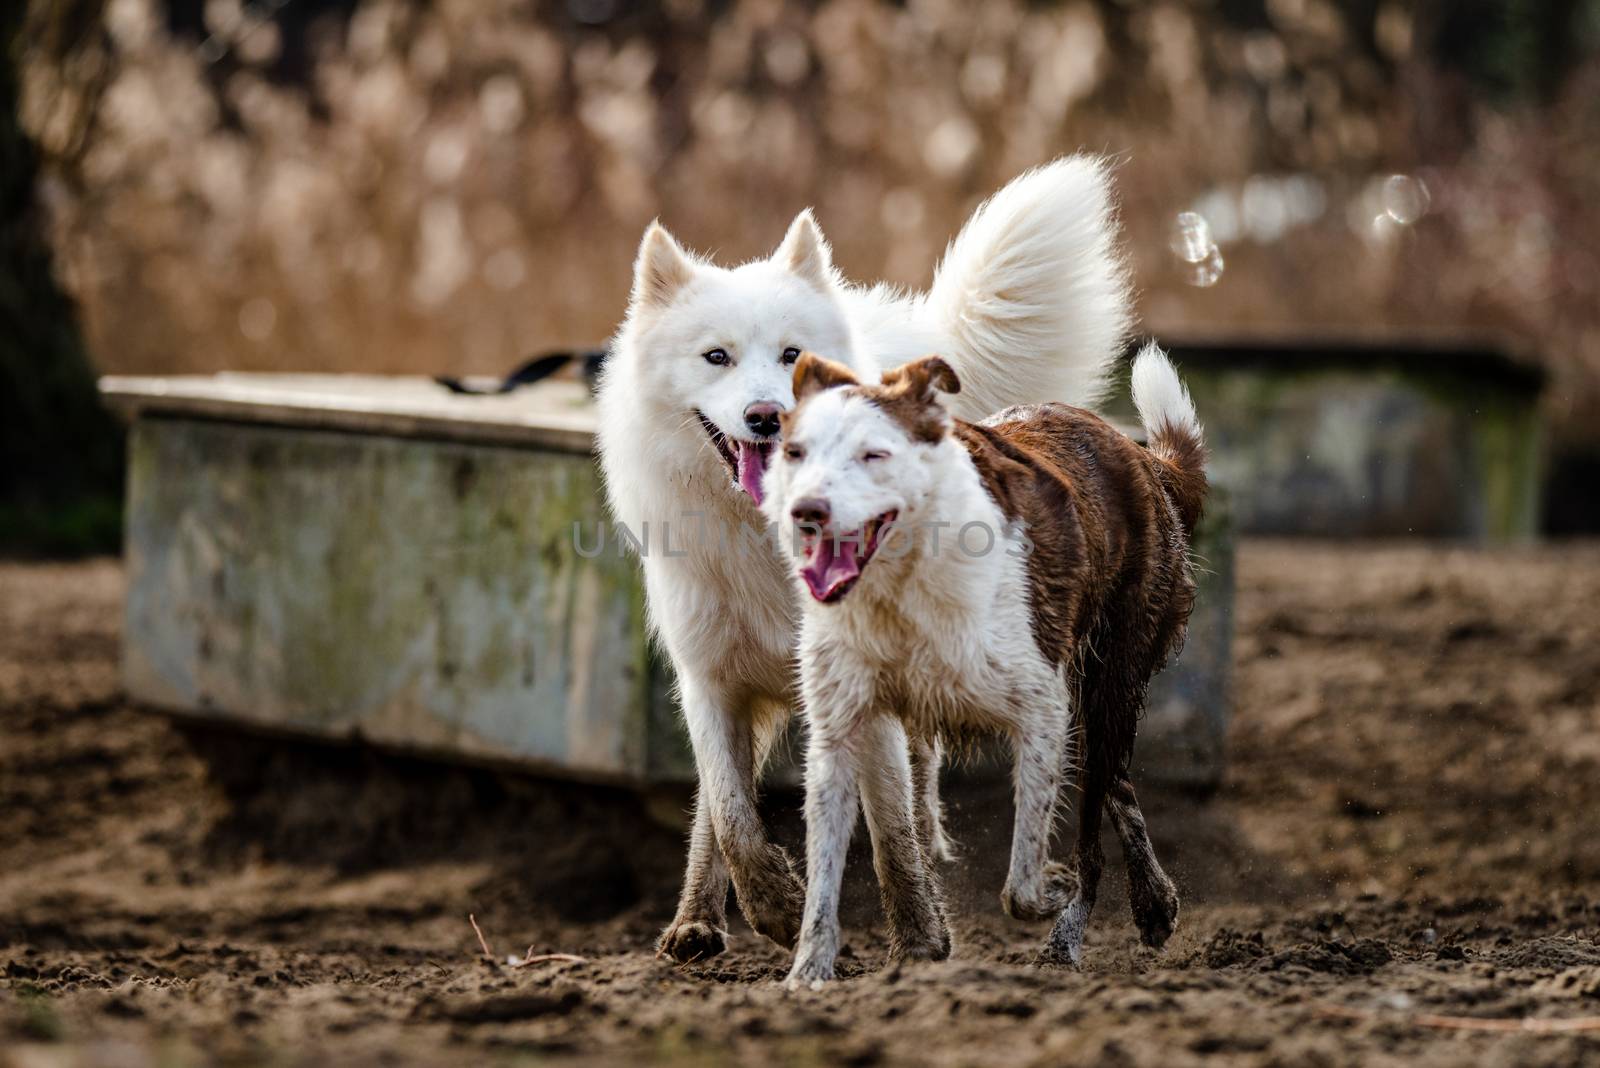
(60, 451)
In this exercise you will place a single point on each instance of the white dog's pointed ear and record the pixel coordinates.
(662, 268)
(805, 251)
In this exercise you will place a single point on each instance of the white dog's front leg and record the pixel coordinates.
(699, 928)
(832, 793)
(726, 755)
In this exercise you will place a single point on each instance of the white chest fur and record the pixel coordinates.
(941, 640)
(717, 594)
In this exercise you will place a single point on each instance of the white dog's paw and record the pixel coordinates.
(772, 897)
(687, 941)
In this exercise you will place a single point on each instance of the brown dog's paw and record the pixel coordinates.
(1064, 947)
(1155, 910)
(935, 946)
(1045, 899)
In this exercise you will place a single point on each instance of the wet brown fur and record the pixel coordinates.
(1110, 523)
(1111, 593)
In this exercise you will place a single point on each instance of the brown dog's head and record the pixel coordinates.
(853, 459)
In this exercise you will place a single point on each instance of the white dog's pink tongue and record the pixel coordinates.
(752, 465)
(832, 562)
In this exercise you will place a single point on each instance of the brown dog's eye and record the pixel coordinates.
(790, 355)
(794, 452)
(873, 454)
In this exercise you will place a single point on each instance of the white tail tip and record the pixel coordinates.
(1159, 395)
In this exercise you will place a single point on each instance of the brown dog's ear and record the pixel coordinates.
(920, 378)
(909, 396)
(812, 374)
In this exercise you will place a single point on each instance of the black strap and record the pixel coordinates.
(530, 371)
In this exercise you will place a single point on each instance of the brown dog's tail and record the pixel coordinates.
(1172, 432)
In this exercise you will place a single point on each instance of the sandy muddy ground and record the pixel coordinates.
(1408, 828)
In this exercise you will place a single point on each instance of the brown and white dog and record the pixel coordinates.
(1025, 575)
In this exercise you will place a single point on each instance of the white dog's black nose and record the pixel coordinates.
(811, 512)
(762, 418)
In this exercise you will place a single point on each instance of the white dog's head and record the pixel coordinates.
(719, 345)
(854, 460)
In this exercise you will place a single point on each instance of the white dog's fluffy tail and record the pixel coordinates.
(1034, 292)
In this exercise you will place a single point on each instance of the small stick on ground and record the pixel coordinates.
(529, 958)
(481, 940)
(1518, 1025)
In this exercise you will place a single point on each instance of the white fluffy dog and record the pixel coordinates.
(1030, 303)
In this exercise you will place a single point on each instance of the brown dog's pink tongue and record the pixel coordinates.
(752, 465)
(832, 561)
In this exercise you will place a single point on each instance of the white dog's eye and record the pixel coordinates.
(793, 451)
(873, 454)
(717, 357)
(790, 355)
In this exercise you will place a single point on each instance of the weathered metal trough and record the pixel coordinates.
(376, 558)
(1371, 437)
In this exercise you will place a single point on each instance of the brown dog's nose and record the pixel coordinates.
(762, 418)
(811, 512)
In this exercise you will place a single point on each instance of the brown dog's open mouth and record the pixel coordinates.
(833, 561)
(747, 460)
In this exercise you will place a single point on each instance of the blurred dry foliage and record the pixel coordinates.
(391, 185)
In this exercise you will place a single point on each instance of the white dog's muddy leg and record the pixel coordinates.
(699, 930)
(1037, 888)
(726, 754)
(911, 898)
(926, 757)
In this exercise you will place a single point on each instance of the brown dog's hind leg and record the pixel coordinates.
(1065, 944)
(1151, 894)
